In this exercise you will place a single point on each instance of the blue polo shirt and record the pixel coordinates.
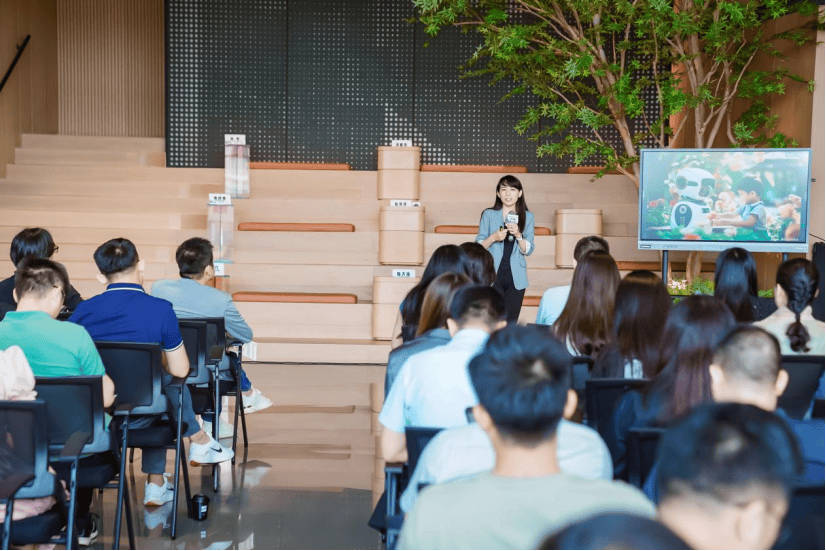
(125, 313)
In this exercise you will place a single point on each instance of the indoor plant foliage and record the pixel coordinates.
(591, 62)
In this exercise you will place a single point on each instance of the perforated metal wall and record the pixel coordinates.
(330, 81)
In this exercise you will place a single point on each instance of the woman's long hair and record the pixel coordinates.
(447, 258)
(735, 282)
(436, 303)
(586, 321)
(480, 267)
(694, 328)
(521, 206)
(798, 278)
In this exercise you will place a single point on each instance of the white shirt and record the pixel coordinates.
(466, 451)
(433, 388)
(552, 303)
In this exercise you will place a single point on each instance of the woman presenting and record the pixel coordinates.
(510, 240)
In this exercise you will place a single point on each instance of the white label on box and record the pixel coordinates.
(219, 269)
(406, 272)
(402, 143)
(250, 350)
(220, 199)
(235, 139)
(401, 203)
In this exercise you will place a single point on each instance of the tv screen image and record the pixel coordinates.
(713, 199)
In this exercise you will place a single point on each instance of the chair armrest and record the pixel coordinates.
(74, 446)
(178, 382)
(234, 342)
(394, 468)
(10, 485)
(124, 408)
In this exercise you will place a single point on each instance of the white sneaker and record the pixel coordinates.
(154, 495)
(209, 453)
(224, 428)
(255, 402)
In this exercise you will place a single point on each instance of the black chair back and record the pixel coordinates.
(803, 527)
(74, 404)
(804, 376)
(642, 453)
(216, 339)
(581, 371)
(137, 372)
(602, 395)
(417, 439)
(24, 440)
(194, 333)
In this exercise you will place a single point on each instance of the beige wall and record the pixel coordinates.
(111, 67)
(818, 144)
(28, 102)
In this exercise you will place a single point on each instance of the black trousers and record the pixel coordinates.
(513, 297)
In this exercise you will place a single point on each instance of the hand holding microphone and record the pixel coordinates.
(512, 224)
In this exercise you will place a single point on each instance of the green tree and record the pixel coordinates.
(592, 62)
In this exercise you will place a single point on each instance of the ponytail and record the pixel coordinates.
(798, 278)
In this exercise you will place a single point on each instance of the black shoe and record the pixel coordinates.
(87, 530)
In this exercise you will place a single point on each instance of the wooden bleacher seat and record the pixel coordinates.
(304, 298)
(471, 230)
(531, 300)
(474, 168)
(299, 166)
(296, 226)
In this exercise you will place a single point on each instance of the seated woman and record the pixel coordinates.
(480, 267)
(585, 323)
(640, 310)
(735, 283)
(692, 331)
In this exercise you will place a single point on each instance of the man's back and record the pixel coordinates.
(495, 512)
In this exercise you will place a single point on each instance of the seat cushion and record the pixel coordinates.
(159, 435)
(94, 471)
(39, 529)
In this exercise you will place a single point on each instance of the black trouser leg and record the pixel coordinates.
(513, 297)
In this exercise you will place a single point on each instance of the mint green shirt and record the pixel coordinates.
(53, 348)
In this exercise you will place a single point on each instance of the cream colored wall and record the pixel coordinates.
(818, 145)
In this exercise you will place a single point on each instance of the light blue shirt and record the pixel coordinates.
(490, 222)
(552, 303)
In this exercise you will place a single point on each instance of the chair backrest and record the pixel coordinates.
(24, 443)
(601, 397)
(804, 376)
(137, 372)
(642, 445)
(581, 371)
(417, 438)
(74, 404)
(194, 333)
(803, 527)
(216, 339)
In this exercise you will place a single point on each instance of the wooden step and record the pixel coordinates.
(131, 175)
(297, 298)
(88, 270)
(97, 143)
(97, 236)
(320, 350)
(298, 166)
(120, 223)
(494, 169)
(308, 321)
(530, 301)
(74, 252)
(81, 157)
(107, 190)
(318, 227)
(135, 206)
(472, 230)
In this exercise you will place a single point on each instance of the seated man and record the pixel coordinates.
(746, 369)
(124, 312)
(54, 349)
(725, 477)
(193, 297)
(433, 389)
(522, 378)
(554, 299)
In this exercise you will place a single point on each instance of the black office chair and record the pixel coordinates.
(137, 372)
(217, 341)
(642, 453)
(25, 445)
(602, 395)
(803, 527)
(804, 377)
(83, 397)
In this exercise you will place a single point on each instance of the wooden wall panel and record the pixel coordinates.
(111, 60)
(28, 102)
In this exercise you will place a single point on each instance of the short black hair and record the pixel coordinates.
(38, 276)
(478, 302)
(31, 242)
(116, 256)
(615, 531)
(522, 378)
(725, 451)
(193, 257)
(589, 244)
(750, 184)
(749, 353)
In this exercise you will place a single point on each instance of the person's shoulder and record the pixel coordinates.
(561, 290)
(614, 490)
(569, 429)
(448, 494)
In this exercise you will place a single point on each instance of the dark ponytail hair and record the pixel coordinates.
(735, 282)
(798, 278)
(521, 206)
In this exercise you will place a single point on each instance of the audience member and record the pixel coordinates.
(192, 296)
(447, 258)
(615, 531)
(124, 312)
(554, 299)
(480, 267)
(585, 323)
(433, 388)
(640, 310)
(735, 283)
(33, 243)
(726, 473)
(432, 331)
(522, 378)
(793, 324)
(693, 329)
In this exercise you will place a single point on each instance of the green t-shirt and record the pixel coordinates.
(53, 348)
(495, 512)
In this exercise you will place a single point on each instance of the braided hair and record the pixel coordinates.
(798, 278)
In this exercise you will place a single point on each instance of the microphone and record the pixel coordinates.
(512, 218)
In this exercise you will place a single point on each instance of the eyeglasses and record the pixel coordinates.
(56, 248)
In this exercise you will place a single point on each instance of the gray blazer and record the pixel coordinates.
(490, 222)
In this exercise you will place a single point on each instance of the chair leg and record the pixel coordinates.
(216, 423)
(178, 446)
(130, 528)
(239, 396)
(190, 513)
(7, 524)
(71, 525)
(121, 484)
(238, 408)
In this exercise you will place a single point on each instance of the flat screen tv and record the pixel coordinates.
(713, 199)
